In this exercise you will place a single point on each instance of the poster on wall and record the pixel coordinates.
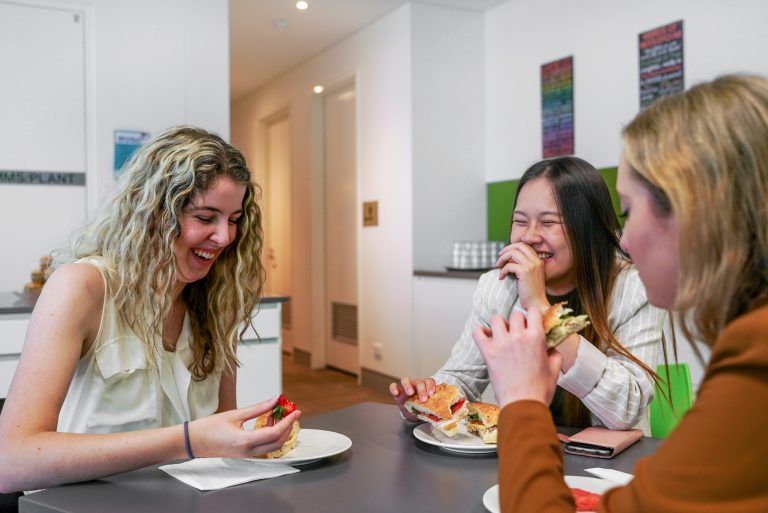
(661, 62)
(557, 108)
(127, 142)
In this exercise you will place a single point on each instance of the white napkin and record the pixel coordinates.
(216, 473)
(609, 474)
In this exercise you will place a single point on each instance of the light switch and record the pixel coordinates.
(370, 213)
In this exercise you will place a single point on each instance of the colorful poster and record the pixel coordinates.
(557, 107)
(661, 62)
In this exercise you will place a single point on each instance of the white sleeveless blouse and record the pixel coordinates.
(113, 390)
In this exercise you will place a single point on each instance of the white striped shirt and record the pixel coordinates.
(616, 390)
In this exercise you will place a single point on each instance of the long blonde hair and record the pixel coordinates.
(703, 154)
(134, 236)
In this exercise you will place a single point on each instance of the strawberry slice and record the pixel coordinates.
(282, 408)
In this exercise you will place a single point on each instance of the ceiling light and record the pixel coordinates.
(318, 89)
(302, 5)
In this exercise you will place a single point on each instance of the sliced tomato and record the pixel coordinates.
(585, 501)
(457, 405)
(282, 408)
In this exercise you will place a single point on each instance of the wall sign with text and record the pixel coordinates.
(661, 62)
(126, 143)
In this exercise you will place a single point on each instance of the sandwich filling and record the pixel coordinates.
(559, 324)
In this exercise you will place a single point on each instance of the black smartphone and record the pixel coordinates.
(588, 449)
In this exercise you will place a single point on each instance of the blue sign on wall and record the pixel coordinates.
(127, 142)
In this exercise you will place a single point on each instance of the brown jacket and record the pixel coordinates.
(714, 461)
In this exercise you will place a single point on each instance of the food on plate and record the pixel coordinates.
(585, 501)
(558, 324)
(282, 408)
(482, 419)
(443, 410)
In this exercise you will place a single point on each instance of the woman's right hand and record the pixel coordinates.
(522, 261)
(222, 435)
(424, 387)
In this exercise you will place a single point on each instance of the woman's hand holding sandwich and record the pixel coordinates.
(222, 434)
(519, 365)
(424, 387)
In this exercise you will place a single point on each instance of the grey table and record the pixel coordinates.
(386, 470)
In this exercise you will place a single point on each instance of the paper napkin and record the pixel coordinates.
(216, 473)
(609, 474)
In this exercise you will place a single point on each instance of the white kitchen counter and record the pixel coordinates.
(258, 378)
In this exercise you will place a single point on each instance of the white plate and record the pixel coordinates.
(590, 484)
(313, 445)
(461, 443)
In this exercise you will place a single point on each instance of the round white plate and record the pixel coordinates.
(313, 445)
(590, 484)
(461, 443)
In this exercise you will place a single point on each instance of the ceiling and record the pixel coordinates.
(269, 37)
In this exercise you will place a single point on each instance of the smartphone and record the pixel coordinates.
(588, 449)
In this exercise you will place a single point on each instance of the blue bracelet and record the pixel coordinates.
(187, 446)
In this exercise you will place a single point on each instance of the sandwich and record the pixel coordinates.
(482, 420)
(444, 410)
(558, 324)
(282, 408)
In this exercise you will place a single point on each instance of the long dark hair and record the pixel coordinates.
(592, 231)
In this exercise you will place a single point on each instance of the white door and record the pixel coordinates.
(42, 134)
(341, 224)
(277, 217)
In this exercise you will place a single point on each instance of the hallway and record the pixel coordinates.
(319, 391)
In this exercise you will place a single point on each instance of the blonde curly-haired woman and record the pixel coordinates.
(129, 358)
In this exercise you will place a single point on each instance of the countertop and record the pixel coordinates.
(470, 274)
(21, 303)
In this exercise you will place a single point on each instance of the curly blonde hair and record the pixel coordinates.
(703, 155)
(134, 236)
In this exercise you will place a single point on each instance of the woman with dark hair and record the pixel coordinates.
(693, 182)
(565, 247)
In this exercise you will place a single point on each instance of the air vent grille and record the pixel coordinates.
(344, 323)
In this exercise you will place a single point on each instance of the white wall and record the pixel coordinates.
(378, 57)
(448, 132)
(149, 65)
(157, 64)
(719, 37)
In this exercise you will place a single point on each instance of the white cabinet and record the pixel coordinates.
(441, 307)
(13, 328)
(259, 376)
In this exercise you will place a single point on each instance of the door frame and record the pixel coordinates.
(318, 224)
(261, 179)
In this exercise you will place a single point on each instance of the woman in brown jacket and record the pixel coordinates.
(693, 183)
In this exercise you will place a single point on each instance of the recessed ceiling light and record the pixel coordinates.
(302, 5)
(318, 89)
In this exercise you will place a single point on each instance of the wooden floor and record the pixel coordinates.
(319, 391)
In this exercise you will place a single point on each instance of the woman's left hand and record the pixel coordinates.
(519, 365)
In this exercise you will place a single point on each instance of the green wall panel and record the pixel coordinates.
(501, 195)
(609, 175)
